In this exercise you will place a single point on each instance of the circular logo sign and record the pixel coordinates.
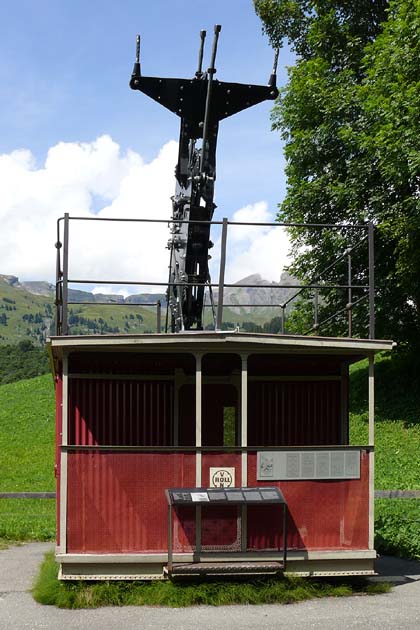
(221, 478)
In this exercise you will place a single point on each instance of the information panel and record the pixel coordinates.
(236, 496)
(308, 464)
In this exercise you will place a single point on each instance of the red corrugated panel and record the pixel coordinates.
(120, 412)
(294, 413)
(58, 440)
(116, 501)
(322, 514)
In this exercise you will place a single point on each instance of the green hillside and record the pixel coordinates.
(27, 451)
(25, 316)
(22, 360)
(397, 446)
(27, 426)
(27, 429)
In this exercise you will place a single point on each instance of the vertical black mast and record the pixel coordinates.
(200, 102)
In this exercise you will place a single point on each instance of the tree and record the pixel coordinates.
(349, 118)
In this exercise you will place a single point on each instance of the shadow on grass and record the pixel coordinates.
(50, 591)
(397, 387)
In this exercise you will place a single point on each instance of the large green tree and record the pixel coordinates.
(350, 118)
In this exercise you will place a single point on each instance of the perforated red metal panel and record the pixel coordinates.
(116, 501)
(322, 514)
(294, 413)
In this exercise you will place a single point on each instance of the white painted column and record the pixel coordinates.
(371, 388)
(63, 457)
(198, 417)
(244, 418)
(244, 444)
(344, 391)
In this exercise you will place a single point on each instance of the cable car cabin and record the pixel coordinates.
(190, 452)
(211, 452)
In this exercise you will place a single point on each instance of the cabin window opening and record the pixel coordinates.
(229, 426)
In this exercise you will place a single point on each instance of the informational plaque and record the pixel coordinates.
(198, 497)
(308, 464)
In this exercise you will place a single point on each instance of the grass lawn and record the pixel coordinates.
(397, 446)
(48, 590)
(26, 519)
(27, 430)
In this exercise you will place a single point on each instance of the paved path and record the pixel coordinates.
(399, 609)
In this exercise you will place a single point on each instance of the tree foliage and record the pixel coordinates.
(350, 118)
(21, 361)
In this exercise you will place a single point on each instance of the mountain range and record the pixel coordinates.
(27, 308)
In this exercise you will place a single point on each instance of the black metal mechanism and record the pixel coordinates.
(201, 103)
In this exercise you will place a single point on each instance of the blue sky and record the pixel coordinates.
(64, 72)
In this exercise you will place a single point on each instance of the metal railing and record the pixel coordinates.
(316, 285)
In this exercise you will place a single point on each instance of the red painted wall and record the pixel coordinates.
(117, 504)
(323, 514)
(116, 501)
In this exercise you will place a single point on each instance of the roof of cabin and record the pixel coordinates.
(215, 341)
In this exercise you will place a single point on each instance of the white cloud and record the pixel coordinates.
(254, 249)
(97, 179)
(89, 179)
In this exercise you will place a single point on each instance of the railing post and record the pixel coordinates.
(371, 281)
(65, 290)
(283, 318)
(58, 289)
(316, 304)
(158, 317)
(219, 318)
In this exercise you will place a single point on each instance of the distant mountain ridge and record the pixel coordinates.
(46, 289)
(266, 293)
(233, 296)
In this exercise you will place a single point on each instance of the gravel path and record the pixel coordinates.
(398, 609)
